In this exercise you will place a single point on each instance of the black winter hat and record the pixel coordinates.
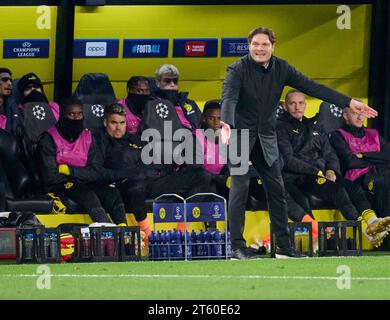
(27, 79)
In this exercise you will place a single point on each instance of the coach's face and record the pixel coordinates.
(261, 48)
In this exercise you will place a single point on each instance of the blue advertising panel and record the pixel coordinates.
(25, 48)
(95, 48)
(234, 47)
(168, 212)
(145, 48)
(195, 48)
(205, 211)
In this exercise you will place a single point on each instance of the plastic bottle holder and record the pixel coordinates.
(163, 248)
(104, 244)
(341, 238)
(176, 245)
(335, 238)
(37, 245)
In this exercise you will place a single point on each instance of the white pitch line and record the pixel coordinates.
(222, 277)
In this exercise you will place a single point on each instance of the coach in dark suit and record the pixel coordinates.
(251, 93)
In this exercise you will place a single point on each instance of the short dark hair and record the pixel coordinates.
(5, 70)
(291, 92)
(70, 101)
(212, 104)
(114, 108)
(262, 30)
(132, 83)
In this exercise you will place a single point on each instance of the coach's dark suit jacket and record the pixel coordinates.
(251, 95)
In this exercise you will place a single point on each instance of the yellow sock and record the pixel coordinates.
(364, 223)
(368, 216)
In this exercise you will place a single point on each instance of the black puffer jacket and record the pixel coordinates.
(121, 157)
(305, 147)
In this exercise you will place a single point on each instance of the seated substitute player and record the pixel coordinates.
(312, 165)
(138, 182)
(9, 115)
(31, 90)
(70, 160)
(365, 158)
(167, 80)
(138, 93)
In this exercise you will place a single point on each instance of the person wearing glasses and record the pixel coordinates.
(167, 81)
(70, 159)
(138, 93)
(9, 115)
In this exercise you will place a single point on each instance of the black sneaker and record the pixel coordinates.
(288, 253)
(243, 254)
(257, 251)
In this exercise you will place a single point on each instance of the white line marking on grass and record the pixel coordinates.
(189, 276)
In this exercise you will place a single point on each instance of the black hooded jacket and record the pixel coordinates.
(305, 147)
(121, 157)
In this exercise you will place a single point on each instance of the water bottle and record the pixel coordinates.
(298, 239)
(129, 247)
(217, 245)
(152, 244)
(86, 245)
(189, 246)
(228, 244)
(109, 245)
(102, 243)
(208, 244)
(53, 246)
(28, 246)
(174, 241)
(46, 245)
(180, 242)
(164, 245)
(157, 246)
(200, 244)
(194, 245)
(305, 239)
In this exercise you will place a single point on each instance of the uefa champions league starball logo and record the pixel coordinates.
(97, 110)
(162, 110)
(39, 112)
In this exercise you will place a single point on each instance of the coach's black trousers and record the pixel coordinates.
(276, 198)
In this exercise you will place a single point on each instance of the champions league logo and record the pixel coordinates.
(162, 110)
(39, 112)
(97, 110)
(336, 111)
(178, 214)
(216, 214)
(279, 111)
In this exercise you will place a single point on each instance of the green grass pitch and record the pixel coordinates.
(313, 278)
